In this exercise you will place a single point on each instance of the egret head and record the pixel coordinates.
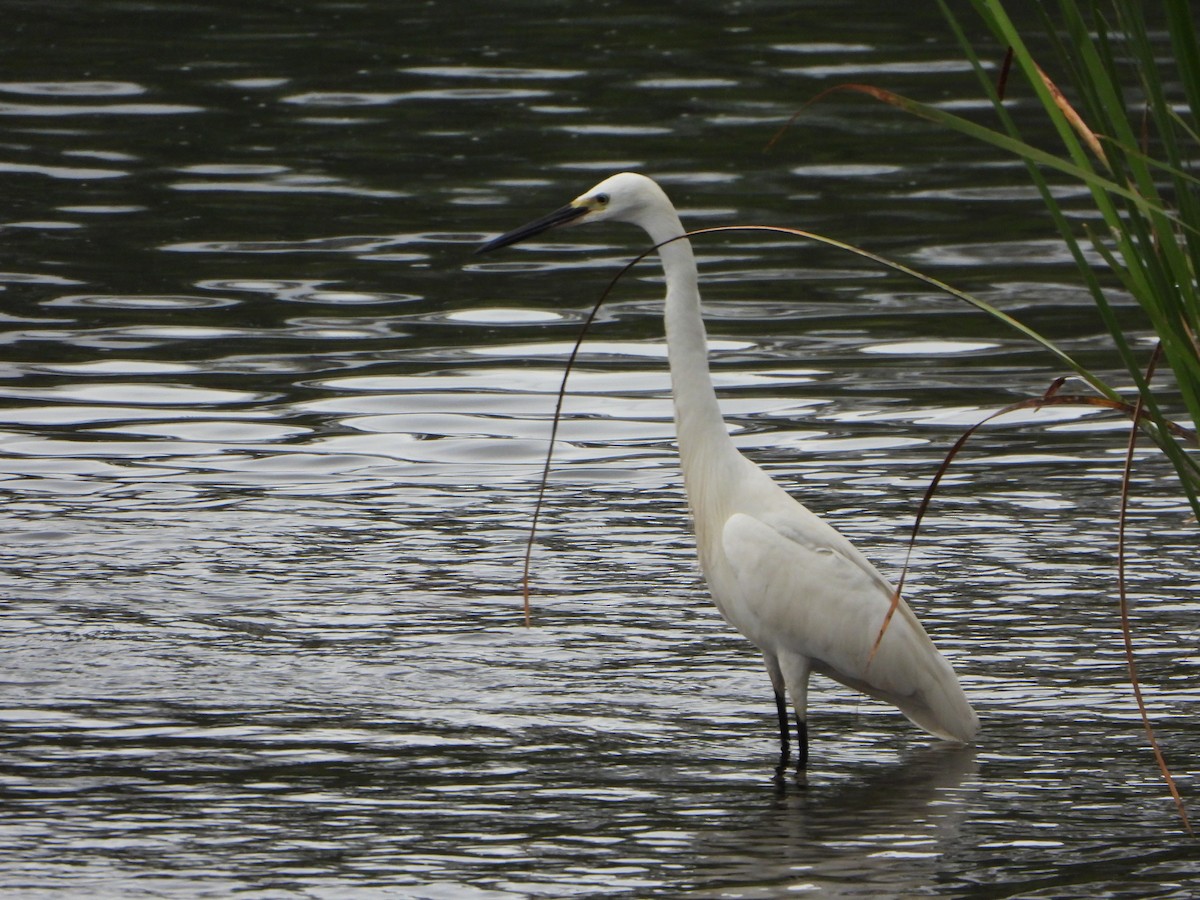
(625, 197)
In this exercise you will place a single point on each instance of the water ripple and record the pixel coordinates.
(35, 278)
(301, 291)
(134, 392)
(265, 504)
(863, 69)
(99, 109)
(614, 130)
(345, 99)
(684, 84)
(161, 302)
(69, 414)
(489, 73)
(1000, 254)
(72, 88)
(500, 316)
(929, 347)
(68, 173)
(286, 184)
(358, 244)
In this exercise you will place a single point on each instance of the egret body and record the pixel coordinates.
(789, 582)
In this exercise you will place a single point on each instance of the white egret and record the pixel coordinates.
(798, 589)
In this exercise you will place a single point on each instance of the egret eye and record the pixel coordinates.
(602, 199)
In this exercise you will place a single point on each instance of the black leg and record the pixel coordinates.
(781, 708)
(802, 740)
(785, 751)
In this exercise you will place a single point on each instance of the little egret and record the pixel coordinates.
(799, 590)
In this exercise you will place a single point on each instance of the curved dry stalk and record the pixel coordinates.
(1123, 600)
(1050, 398)
(558, 405)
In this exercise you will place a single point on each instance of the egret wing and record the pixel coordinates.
(801, 592)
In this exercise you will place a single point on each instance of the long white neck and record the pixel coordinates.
(703, 439)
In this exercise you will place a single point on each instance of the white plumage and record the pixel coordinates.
(799, 590)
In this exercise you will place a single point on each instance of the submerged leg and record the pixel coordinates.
(778, 683)
(781, 709)
(802, 741)
(795, 671)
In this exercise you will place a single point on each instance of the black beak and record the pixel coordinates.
(545, 223)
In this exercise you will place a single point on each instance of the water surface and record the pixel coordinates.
(269, 437)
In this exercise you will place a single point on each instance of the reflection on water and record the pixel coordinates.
(269, 436)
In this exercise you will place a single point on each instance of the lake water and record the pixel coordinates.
(269, 438)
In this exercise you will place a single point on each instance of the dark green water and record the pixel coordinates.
(269, 436)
